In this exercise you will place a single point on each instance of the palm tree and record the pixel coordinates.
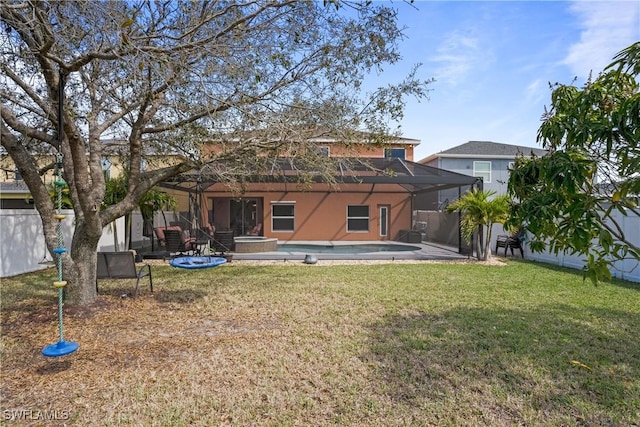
(480, 211)
(152, 201)
(156, 200)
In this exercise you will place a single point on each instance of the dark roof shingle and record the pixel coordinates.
(488, 148)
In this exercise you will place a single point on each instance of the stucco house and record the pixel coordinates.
(368, 203)
(371, 203)
(483, 159)
(15, 195)
(489, 161)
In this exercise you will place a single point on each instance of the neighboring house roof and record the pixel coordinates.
(413, 177)
(609, 188)
(485, 149)
(10, 190)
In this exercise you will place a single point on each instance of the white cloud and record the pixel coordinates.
(536, 91)
(457, 56)
(607, 28)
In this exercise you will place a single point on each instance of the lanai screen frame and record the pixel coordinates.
(415, 178)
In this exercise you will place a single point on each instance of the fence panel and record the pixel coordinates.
(628, 269)
(22, 247)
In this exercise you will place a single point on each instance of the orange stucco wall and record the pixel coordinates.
(321, 214)
(320, 211)
(337, 150)
(340, 150)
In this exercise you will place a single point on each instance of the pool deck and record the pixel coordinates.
(427, 251)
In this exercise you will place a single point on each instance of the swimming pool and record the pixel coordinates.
(346, 249)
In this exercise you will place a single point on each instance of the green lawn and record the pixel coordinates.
(293, 344)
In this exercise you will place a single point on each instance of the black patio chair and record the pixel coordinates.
(512, 242)
(177, 244)
(223, 241)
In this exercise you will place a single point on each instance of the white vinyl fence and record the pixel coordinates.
(22, 243)
(22, 247)
(628, 269)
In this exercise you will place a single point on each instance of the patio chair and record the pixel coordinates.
(160, 233)
(176, 242)
(223, 241)
(122, 265)
(512, 242)
(256, 230)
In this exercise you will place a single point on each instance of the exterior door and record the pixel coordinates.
(244, 215)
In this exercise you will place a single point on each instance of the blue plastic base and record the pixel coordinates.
(61, 348)
(196, 261)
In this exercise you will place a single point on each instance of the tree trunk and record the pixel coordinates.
(481, 254)
(487, 243)
(80, 267)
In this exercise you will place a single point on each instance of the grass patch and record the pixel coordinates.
(292, 344)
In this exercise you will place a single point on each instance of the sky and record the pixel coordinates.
(493, 62)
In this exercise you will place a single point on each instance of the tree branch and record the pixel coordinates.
(12, 121)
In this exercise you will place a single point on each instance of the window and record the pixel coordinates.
(394, 153)
(106, 168)
(357, 218)
(323, 150)
(384, 220)
(482, 170)
(17, 176)
(282, 216)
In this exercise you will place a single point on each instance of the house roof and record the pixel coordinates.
(12, 190)
(391, 141)
(413, 177)
(117, 146)
(317, 135)
(485, 149)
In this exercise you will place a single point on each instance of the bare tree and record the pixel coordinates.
(259, 78)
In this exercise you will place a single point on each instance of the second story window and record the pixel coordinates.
(395, 153)
(482, 170)
(323, 150)
(17, 176)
